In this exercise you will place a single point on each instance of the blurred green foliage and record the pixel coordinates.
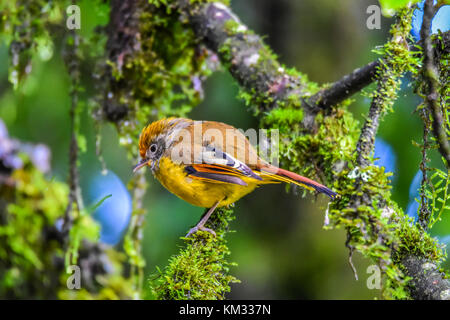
(280, 245)
(27, 252)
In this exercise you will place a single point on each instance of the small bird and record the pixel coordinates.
(209, 164)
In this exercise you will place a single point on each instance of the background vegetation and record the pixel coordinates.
(280, 246)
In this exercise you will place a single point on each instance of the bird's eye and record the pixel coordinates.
(153, 148)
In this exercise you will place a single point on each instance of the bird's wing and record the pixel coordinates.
(216, 152)
(218, 166)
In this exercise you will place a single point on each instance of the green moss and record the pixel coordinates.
(26, 255)
(233, 27)
(284, 117)
(416, 242)
(397, 60)
(201, 269)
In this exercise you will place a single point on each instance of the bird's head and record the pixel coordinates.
(153, 141)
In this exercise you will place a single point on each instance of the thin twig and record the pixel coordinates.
(431, 78)
(72, 63)
(424, 213)
(346, 86)
(352, 83)
(135, 234)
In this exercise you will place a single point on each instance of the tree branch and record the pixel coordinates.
(123, 42)
(367, 138)
(70, 55)
(427, 283)
(248, 59)
(347, 86)
(209, 22)
(362, 77)
(431, 78)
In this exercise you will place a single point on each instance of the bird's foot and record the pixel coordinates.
(200, 228)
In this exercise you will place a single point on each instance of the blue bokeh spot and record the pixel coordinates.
(441, 20)
(384, 155)
(114, 213)
(414, 190)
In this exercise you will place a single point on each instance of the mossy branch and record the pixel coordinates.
(201, 269)
(346, 86)
(252, 63)
(431, 78)
(427, 281)
(381, 230)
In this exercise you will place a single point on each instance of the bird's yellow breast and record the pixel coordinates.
(199, 192)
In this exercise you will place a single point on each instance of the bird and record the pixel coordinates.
(209, 164)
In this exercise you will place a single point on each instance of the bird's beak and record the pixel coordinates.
(141, 164)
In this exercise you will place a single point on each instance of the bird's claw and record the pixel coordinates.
(200, 228)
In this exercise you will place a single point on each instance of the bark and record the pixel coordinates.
(427, 282)
(347, 86)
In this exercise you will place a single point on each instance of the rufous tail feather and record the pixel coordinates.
(291, 177)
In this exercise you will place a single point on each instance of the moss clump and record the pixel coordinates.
(322, 154)
(201, 269)
(233, 27)
(397, 60)
(283, 119)
(415, 242)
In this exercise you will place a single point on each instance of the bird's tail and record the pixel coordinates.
(272, 173)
